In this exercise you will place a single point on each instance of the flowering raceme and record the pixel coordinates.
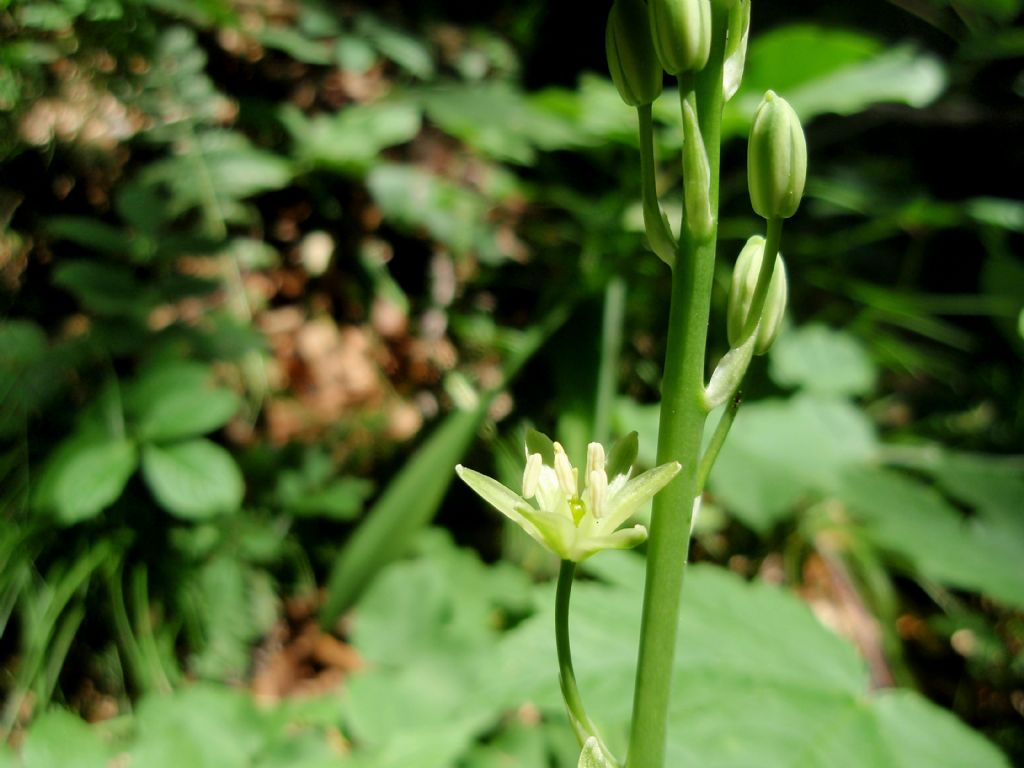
(554, 511)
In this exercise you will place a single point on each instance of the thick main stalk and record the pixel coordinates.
(681, 428)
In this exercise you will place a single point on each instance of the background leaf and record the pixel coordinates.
(84, 476)
(179, 400)
(819, 359)
(794, 691)
(193, 479)
(61, 738)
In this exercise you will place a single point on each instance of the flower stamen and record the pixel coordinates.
(565, 473)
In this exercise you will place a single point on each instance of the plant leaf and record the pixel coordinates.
(193, 479)
(179, 400)
(85, 475)
(819, 359)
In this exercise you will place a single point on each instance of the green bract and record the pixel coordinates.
(682, 33)
(574, 524)
(776, 159)
(735, 48)
(631, 59)
(696, 178)
(744, 280)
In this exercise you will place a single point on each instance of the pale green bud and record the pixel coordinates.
(682, 33)
(776, 159)
(741, 294)
(632, 62)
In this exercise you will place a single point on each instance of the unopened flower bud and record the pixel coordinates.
(682, 33)
(741, 294)
(776, 159)
(632, 62)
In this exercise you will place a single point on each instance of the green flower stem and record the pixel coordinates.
(772, 240)
(658, 233)
(581, 722)
(707, 461)
(681, 428)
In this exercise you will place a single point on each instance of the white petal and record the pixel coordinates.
(627, 538)
(531, 475)
(549, 495)
(638, 491)
(553, 531)
(497, 495)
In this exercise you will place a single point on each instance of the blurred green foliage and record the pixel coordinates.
(241, 243)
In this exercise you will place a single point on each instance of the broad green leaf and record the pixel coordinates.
(59, 738)
(926, 534)
(994, 485)
(819, 359)
(431, 705)
(85, 475)
(821, 70)
(202, 727)
(778, 451)
(351, 140)
(179, 400)
(193, 479)
(758, 682)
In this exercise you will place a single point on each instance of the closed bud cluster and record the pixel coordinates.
(682, 33)
(776, 159)
(632, 62)
(741, 294)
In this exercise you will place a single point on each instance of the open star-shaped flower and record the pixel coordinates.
(576, 523)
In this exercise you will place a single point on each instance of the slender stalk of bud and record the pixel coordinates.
(632, 62)
(682, 33)
(776, 159)
(659, 234)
